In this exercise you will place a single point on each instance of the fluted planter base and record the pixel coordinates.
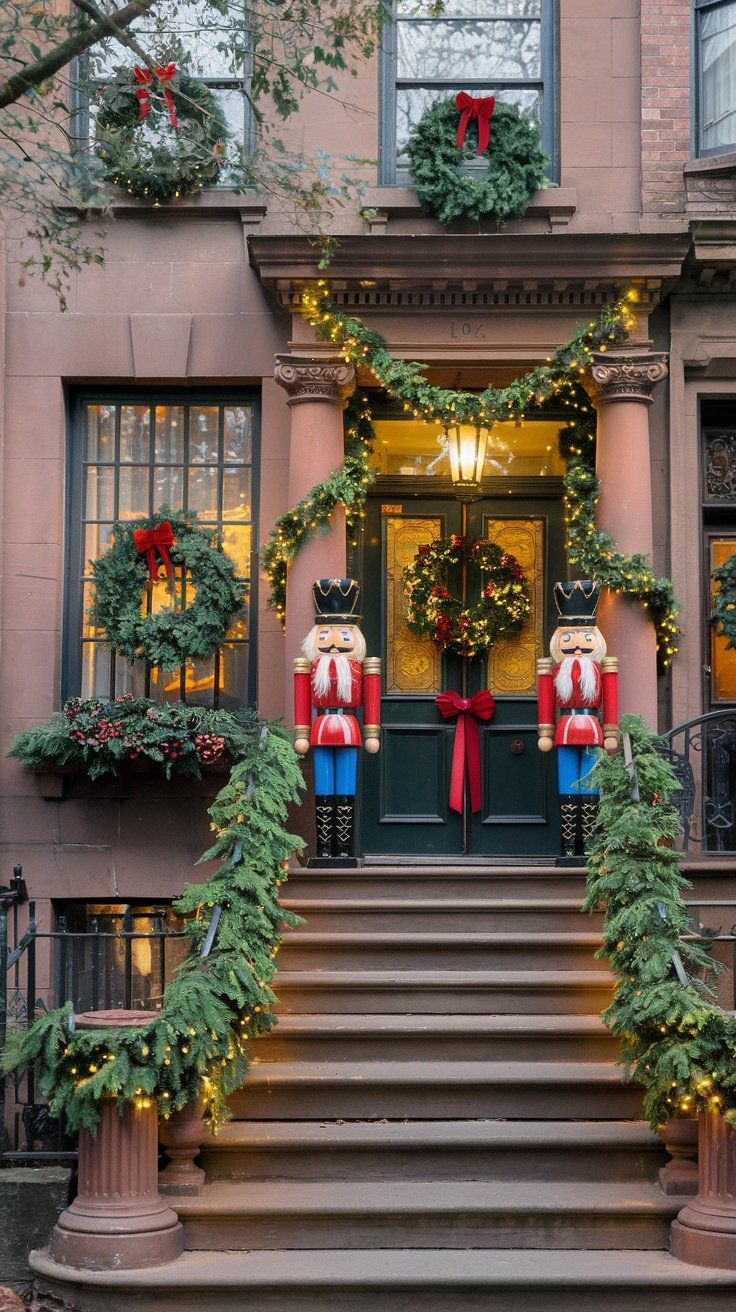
(181, 1136)
(118, 1219)
(704, 1233)
(680, 1175)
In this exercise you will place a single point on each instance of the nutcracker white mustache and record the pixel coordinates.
(322, 673)
(588, 683)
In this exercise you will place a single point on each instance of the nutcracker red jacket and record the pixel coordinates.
(579, 730)
(338, 729)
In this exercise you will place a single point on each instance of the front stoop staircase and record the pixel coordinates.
(437, 1123)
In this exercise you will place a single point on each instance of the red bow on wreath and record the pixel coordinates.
(466, 748)
(148, 541)
(480, 108)
(144, 76)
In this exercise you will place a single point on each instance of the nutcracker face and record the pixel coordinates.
(336, 639)
(578, 641)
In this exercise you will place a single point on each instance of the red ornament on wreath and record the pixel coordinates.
(503, 606)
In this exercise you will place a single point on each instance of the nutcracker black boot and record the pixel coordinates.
(590, 820)
(344, 812)
(569, 817)
(324, 813)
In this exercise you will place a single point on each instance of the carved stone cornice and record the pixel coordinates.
(314, 380)
(626, 376)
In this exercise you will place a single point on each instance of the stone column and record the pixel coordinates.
(118, 1219)
(317, 394)
(704, 1233)
(621, 385)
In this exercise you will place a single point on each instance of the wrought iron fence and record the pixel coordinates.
(99, 968)
(703, 756)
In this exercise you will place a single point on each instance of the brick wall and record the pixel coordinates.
(666, 27)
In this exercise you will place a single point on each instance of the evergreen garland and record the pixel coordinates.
(676, 1041)
(101, 737)
(514, 165)
(167, 638)
(198, 1045)
(723, 613)
(503, 605)
(346, 487)
(170, 163)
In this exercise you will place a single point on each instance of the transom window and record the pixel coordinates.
(715, 36)
(132, 456)
(503, 48)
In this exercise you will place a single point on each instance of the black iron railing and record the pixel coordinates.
(703, 756)
(94, 969)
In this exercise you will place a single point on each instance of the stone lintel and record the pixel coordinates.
(626, 375)
(311, 379)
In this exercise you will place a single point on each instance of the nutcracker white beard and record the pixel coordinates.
(588, 682)
(322, 671)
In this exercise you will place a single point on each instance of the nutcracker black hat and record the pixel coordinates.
(576, 602)
(336, 601)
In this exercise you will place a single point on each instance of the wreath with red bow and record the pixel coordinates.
(159, 133)
(445, 150)
(432, 611)
(174, 542)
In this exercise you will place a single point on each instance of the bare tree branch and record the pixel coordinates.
(40, 70)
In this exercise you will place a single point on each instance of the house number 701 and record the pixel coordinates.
(465, 328)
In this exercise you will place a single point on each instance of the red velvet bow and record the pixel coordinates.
(479, 107)
(466, 749)
(148, 541)
(144, 77)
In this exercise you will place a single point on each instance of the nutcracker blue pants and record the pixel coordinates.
(335, 771)
(574, 764)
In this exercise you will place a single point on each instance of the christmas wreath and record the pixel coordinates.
(442, 146)
(723, 614)
(159, 134)
(168, 637)
(432, 610)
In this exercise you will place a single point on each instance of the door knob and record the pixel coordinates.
(518, 747)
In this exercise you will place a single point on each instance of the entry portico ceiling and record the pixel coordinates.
(468, 270)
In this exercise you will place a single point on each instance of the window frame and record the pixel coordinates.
(701, 7)
(71, 665)
(390, 83)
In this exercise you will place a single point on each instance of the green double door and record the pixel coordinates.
(405, 787)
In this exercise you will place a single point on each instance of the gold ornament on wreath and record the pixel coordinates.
(432, 611)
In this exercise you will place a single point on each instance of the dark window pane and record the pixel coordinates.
(203, 491)
(100, 492)
(469, 50)
(169, 439)
(233, 675)
(134, 485)
(135, 433)
(100, 433)
(238, 433)
(168, 487)
(200, 683)
(203, 443)
(96, 541)
(95, 670)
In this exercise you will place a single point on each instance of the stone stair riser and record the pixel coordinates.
(436, 884)
(433, 1164)
(427, 1101)
(450, 1047)
(425, 1229)
(312, 995)
(453, 919)
(326, 955)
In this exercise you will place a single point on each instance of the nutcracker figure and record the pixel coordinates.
(580, 680)
(334, 679)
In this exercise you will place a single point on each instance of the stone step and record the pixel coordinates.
(433, 1150)
(304, 950)
(365, 1037)
(435, 1090)
(424, 914)
(399, 1280)
(280, 1214)
(450, 992)
(438, 882)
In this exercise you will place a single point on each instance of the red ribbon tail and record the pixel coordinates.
(166, 558)
(484, 133)
(169, 98)
(151, 563)
(462, 128)
(472, 759)
(457, 770)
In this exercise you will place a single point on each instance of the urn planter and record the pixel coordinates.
(181, 1135)
(704, 1233)
(118, 1219)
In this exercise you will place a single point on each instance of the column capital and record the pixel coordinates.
(312, 379)
(625, 375)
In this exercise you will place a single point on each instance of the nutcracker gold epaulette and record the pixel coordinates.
(302, 665)
(609, 664)
(372, 665)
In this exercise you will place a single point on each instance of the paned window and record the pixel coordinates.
(195, 28)
(503, 48)
(715, 37)
(133, 455)
(718, 439)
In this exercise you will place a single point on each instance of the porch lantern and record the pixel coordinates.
(467, 444)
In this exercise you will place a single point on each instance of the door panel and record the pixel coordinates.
(405, 787)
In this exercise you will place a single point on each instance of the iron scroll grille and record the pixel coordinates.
(703, 755)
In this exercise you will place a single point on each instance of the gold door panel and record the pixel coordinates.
(512, 662)
(412, 664)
